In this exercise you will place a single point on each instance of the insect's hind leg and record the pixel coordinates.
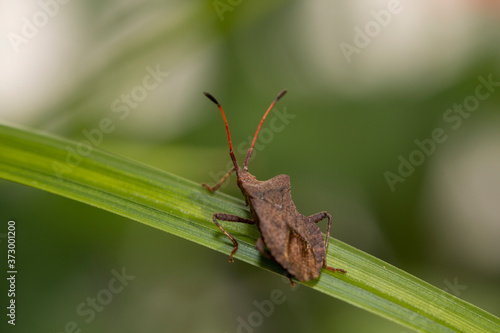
(315, 218)
(230, 218)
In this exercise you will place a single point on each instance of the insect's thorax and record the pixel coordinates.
(274, 191)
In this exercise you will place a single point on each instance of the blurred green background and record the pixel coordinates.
(367, 82)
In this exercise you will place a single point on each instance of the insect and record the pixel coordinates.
(287, 237)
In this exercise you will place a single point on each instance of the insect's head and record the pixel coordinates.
(250, 150)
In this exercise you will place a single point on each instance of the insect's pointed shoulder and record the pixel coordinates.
(279, 181)
(283, 178)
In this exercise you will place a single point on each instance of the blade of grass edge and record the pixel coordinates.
(183, 208)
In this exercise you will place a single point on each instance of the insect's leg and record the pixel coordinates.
(216, 186)
(289, 276)
(316, 218)
(230, 218)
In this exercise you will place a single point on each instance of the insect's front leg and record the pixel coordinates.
(230, 218)
(216, 186)
(315, 218)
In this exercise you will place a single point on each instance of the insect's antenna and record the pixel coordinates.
(250, 151)
(231, 153)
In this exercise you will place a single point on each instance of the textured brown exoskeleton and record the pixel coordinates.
(288, 237)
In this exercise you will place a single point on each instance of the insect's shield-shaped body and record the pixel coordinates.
(292, 240)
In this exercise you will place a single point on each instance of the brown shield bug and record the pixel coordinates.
(288, 237)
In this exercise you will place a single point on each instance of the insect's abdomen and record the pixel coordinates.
(304, 257)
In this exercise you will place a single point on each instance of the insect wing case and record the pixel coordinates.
(294, 241)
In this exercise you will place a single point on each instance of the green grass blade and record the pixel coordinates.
(178, 206)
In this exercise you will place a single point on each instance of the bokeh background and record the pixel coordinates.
(365, 82)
